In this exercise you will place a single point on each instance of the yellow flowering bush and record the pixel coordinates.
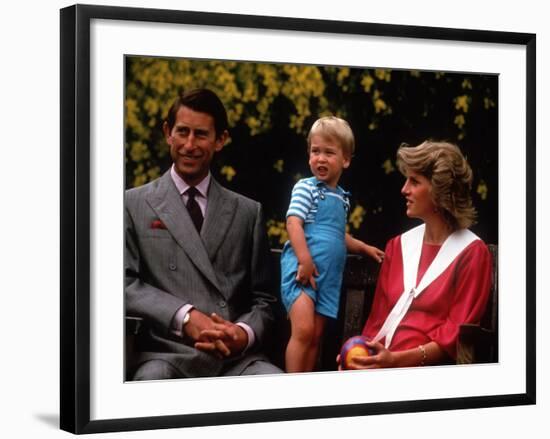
(271, 107)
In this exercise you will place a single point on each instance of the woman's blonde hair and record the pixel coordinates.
(334, 127)
(450, 175)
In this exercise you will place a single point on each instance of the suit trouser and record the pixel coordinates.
(162, 370)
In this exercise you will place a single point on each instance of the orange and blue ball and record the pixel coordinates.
(354, 347)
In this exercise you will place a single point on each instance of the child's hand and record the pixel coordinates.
(374, 253)
(306, 272)
(356, 246)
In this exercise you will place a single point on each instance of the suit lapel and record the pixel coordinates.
(168, 205)
(219, 216)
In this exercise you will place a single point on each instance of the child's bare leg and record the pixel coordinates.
(302, 330)
(319, 328)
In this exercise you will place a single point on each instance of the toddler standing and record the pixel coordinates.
(313, 260)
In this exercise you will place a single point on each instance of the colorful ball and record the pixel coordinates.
(354, 347)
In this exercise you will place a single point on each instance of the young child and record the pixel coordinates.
(312, 262)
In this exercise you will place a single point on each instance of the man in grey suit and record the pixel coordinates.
(196, 262)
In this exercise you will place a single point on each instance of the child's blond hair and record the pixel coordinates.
(336, 128)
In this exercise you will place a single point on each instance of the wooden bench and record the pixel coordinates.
(479, 343)
(476, 343)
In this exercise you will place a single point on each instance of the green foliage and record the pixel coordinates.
(247, 89)
(271, 107)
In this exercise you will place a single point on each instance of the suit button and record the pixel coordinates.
(172, 267)
(222, 304)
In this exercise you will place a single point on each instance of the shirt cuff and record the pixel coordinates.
(250, 333)
(177, 320)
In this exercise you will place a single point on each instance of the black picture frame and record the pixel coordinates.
(76, 213)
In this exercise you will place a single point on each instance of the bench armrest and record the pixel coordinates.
(475, 345)
(134, 325)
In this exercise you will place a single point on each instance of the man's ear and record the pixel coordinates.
(166, 130)
(220, 141)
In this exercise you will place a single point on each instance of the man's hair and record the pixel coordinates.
(450, 175)
(201, 100)
(334, 127)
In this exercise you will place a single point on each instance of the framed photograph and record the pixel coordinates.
(120, 70)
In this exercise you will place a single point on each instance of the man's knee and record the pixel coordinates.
(156, 370)
(260, 367)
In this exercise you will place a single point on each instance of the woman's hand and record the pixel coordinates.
(382, 357)
(423, 355)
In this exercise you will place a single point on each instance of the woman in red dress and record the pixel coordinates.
(436, 276)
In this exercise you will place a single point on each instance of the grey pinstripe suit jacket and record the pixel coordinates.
(224, 270)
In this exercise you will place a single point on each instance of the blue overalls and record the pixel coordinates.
(325, 239)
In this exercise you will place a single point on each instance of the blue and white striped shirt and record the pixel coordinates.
(305, 198)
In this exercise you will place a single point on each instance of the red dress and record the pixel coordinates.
(457, 296)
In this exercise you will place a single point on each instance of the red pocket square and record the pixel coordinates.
(158, 224)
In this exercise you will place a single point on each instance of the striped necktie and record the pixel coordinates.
(193, 208)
